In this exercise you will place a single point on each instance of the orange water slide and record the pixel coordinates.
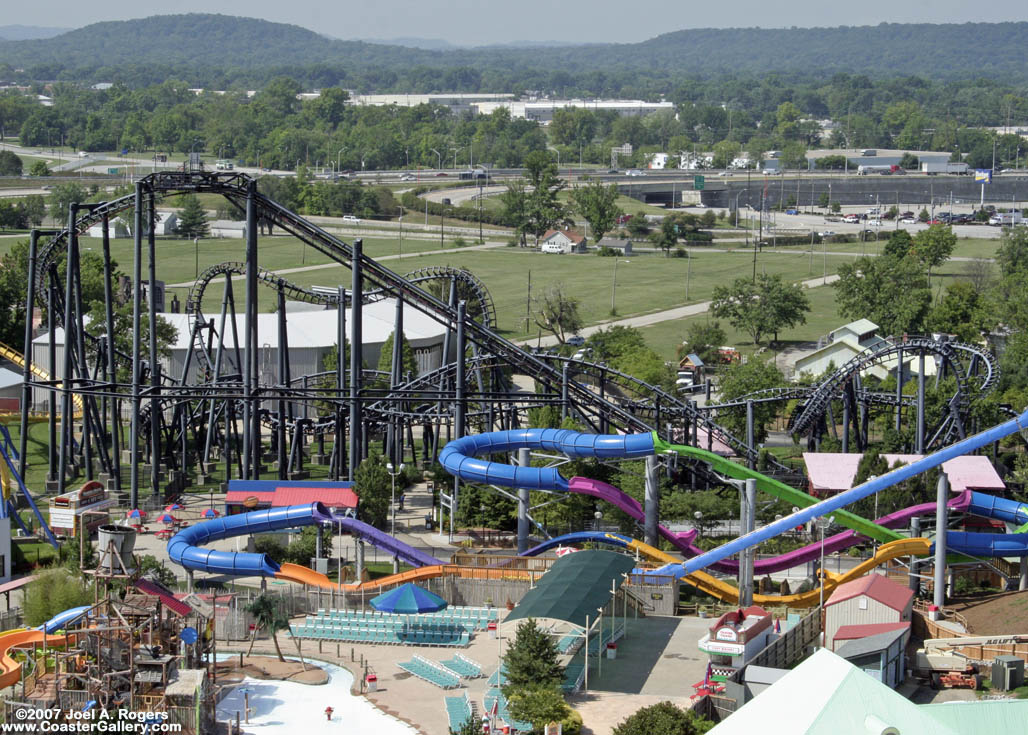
(10, 670)
(303, 575)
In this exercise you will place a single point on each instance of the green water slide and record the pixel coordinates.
(777, 489)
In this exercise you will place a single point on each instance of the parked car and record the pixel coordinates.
(623, 218)
(874, 223)
(792, 211)
(351, 219)
(908, 221)
(851, 218)
(576, 340)
(826, 233)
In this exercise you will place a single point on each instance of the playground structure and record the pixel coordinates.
(138, 650)
(222, 406)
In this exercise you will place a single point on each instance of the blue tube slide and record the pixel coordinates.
(63, 619)
(184, 548)
(459, 457)
(989, 506)
(826, 507)
(987, 544)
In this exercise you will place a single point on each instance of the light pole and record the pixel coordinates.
(614, 287)
(439, 159)
(455, 151)
(557, 151)
(393, 473)
(196, 256)
(339, 157)
(823, 523)
(401, 231)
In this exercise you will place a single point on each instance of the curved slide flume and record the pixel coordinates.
(10, 669)
(185, 547)
(725, 591)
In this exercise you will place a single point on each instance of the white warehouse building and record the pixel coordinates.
(311, 335)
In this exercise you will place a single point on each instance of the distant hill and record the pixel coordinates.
(430, 44)
(249, 50)
(25, 33)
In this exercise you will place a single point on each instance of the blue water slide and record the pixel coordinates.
(578, 537)
(989, 506)
(987, 544)
(460, 457)
(63, 619)
(185, 547)
(826, 507)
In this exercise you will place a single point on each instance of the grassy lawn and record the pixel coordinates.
(645, 283)
(665, 337)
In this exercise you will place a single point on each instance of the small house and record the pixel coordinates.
(167, 223)
(10, 390)
(562, 242)
(869, 600)
(227, 228)
(624, 245)
(875, 649)
(116, 230)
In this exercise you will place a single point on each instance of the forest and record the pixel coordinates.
(226, 52)
(275, 129)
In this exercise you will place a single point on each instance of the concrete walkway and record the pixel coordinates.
(679, 312)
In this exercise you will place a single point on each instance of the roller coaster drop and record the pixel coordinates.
(178, 420)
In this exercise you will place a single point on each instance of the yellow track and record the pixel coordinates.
(9, 353)
(727, 593)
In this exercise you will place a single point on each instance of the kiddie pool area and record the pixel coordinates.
(280, 707)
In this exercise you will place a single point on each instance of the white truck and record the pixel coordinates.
(953, 167)
(1007, 219)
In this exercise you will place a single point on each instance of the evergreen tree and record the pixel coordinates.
(532, 659)
(192, 219)
(374, 487)
(385, 358)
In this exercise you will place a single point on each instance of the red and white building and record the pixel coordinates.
(735, 638)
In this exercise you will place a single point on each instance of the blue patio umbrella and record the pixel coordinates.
(408, 599)
(211, 513)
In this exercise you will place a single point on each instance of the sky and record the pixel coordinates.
(477, 22)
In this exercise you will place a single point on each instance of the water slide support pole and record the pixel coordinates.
(750, 497)
(26, 391)
(248, 335)
(652, 502)
(524, 459)
(356, 354)
(941, 520)
(137, 276)
(914, 582)
(919, 440)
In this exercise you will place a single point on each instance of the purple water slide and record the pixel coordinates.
(387, 543)
(684, 541)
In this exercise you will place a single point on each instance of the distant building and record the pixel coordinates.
(167, 223)
(870, 600)
(116, 230)
(10, 390)
(616, 243)
(841, 346)
(562, 242)
(227, 228)
(542, 110)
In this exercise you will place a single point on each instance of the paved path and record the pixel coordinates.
(680, 312)
(324, 266)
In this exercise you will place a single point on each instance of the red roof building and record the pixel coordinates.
(870, 600)
(246, 495)
(856, 632)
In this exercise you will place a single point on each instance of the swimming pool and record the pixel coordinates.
(289, 708)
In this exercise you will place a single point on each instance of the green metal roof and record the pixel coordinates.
(576, 586)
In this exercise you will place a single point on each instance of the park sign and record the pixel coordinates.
(698, 183)
(983, 176)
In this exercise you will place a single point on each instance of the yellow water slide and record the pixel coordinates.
(727, 593)
(303, 575)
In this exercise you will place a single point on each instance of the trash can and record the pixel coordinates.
(372, 680)
(612, 650)
(429, 523)
(492, 629)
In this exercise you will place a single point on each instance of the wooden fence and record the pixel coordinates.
(791, 646)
